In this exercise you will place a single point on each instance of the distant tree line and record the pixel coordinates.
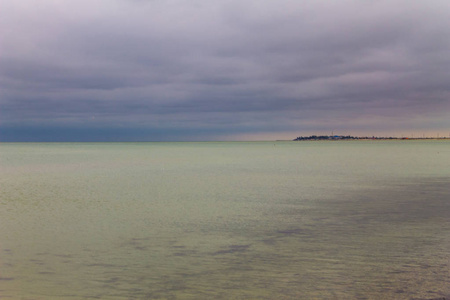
(349, 137)
(326, 137)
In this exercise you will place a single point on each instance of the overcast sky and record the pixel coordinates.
(156, 70)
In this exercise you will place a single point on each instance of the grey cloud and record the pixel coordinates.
(280, 65)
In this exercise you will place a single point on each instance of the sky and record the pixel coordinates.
(172, 70)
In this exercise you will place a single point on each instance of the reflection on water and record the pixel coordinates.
(225, 221)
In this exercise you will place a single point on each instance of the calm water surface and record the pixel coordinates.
(284, 220)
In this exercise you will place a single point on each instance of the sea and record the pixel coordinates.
(225, 220)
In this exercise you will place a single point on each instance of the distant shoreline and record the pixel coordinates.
(365, 138)
(237, 141)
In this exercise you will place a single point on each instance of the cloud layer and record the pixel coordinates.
(208, 70)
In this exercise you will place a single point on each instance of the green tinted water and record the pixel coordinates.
(285, 220)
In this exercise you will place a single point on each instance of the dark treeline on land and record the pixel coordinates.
(325, 137)
(349, 137)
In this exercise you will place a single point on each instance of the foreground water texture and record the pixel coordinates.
(284, 220)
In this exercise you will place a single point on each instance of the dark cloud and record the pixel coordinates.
(223, 68)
